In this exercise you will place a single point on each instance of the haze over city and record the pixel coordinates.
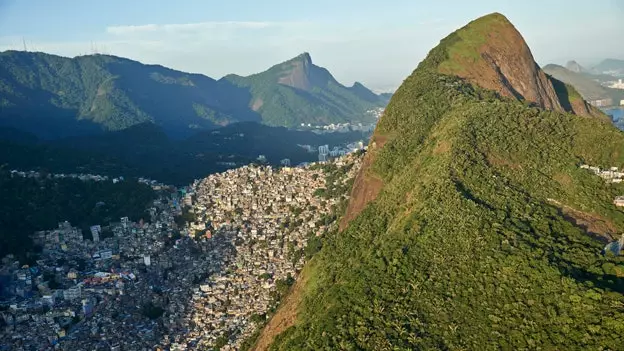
(355, 39)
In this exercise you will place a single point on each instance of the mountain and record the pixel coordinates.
(471, 225)
(54, 96)
(611, 66)
(297, 91)
(588, 85)
(583, 83)
(575, 67)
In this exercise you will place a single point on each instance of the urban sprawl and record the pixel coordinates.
(202, 270)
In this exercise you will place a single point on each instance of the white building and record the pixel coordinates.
(323, 150)
(72, 293)
(96, 230)
(124, 222)
(621, 102)
(147, 260)
(618, 85)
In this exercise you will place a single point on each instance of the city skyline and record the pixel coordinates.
(357, 41)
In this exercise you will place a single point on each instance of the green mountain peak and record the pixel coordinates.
(472, 225)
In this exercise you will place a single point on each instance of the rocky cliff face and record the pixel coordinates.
(489, 52)
(297, 72)
(492, 54)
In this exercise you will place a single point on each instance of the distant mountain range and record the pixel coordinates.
(297, 91)
(53, 96)
(589, 82)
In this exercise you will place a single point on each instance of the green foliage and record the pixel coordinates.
(152, 311)
(467, 246)
(55, 96)
(325, 101)
(29, 205)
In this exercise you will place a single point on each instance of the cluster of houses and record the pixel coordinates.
(157, 282)
(346, 127)
(81, 176)
(611, 175)
(82, 292)
(268, 216)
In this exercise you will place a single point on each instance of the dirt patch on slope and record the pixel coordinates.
(284, 317)
(593, 224)
(366, 186)
(257, 104)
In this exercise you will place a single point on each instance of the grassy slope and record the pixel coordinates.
(464, 248)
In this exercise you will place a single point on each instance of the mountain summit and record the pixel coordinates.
(296, 72)
(575, 67)
(472, 225)
(491, 53)
(298, 91)
(54, 96)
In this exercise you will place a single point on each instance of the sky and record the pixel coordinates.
(378, 43)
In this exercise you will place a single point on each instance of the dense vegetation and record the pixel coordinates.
(145, 151)
(53, 96)
(30, 204)
(476, 239)
(322, 101)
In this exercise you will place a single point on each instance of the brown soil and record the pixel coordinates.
(505, 65)
(285, 316)
(257, 104)
(442, 147)
(591, 223)
(366, 186)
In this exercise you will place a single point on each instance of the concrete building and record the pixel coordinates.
(96, 230)
(601, 102)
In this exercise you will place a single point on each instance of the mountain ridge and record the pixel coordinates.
(56, 96)
(317, 97)
(475, 236)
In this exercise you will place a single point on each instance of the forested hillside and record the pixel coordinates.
(474, 228)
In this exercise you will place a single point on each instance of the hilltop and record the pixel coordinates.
(298, 91)
(587, 87)
(471, 225)
(54, 96)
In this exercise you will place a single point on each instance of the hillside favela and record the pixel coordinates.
(353, 175)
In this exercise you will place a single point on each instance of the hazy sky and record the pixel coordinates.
(372, 41)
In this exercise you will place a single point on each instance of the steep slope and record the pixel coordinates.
(483, 232)
(52, 95)
(586, 84)
(492, 53)
(588, 88)
(297, 91)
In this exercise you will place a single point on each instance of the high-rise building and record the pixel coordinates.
(125, 222)
(96, 230)
(323, 150)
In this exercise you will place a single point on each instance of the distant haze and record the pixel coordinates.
(376, 43)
